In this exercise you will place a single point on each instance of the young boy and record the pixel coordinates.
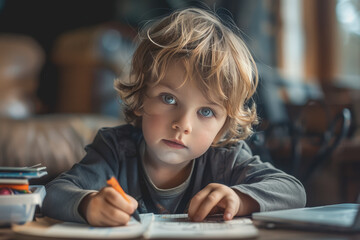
(183, 151)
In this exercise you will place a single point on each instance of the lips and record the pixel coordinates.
(174, 144)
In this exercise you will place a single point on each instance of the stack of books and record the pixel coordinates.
(15, 180)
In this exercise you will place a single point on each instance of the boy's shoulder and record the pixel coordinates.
(121, 130)
(239, 145)
(123, 135)
(234, 149)
(223, 160)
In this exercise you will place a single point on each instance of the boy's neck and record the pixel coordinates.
(165, 177)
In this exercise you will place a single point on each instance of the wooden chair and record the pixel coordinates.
(305, 143)
(316, 133)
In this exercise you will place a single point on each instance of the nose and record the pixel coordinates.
(183, 124)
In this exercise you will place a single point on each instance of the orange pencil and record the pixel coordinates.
(115, 184)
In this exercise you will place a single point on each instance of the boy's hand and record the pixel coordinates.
(107, 208)
(218, 198)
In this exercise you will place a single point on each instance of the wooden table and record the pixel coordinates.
(264, 234)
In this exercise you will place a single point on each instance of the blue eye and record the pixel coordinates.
(168, 99)
(206, 112)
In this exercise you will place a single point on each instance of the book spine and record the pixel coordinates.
(18, 187)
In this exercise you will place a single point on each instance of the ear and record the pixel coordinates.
(138, 112)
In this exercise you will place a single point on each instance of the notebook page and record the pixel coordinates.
(179, 226)
(133, 229)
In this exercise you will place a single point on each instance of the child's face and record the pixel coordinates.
(179, 123)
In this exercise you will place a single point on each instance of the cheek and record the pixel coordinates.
(154, 107)
(152, 121)
(209, 131)
(202, 144)
(153, 126)
(205, 137)
(153, 118)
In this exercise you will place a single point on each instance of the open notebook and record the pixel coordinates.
(152, 226)
(338, 217)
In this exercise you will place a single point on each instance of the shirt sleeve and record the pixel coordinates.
(64, 194)
(272, 188)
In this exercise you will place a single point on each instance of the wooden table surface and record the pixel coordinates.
(264, 234)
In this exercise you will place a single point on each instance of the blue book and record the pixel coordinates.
(20, 174)
(35, 168)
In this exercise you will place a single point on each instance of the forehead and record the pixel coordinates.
(178, 74)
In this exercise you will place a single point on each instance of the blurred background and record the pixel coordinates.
(59, 59)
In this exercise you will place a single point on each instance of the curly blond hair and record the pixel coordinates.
(213, 55)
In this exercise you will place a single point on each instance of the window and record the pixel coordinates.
(348, 23)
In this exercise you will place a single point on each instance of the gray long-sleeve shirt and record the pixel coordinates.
(115, 152)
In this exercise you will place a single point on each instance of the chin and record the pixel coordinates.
(173, 161)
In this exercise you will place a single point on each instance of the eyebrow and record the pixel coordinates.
(167, 85)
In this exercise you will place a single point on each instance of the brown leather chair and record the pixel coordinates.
(55, 141)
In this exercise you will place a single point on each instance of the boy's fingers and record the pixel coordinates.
(133, 202)
(103, 221)
(196, 202)
(216, 210)
(212, 198)
(230, 211)
(115, 199)
(208, 203)
(115, 217)
(112, 208)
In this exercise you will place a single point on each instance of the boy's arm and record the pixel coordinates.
(270, 187)
(239, 184)
(83, 206)
(237, 168)
(247, 204)
(65, 193)
(62, 200)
